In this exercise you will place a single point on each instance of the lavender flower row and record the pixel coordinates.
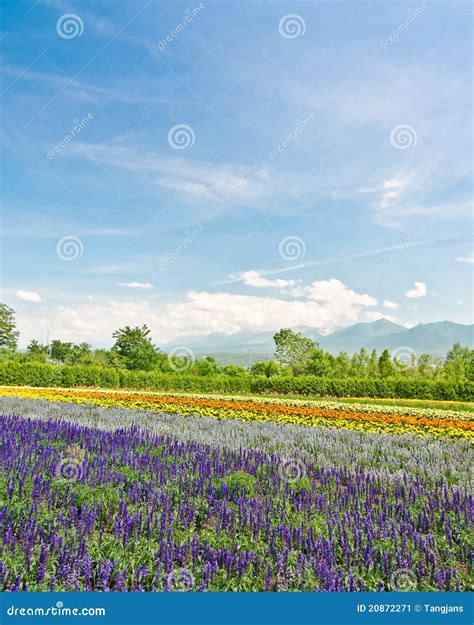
(130, 509)
(385, 455)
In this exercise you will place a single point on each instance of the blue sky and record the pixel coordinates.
(219, 166)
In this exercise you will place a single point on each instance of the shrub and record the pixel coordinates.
(13, 373)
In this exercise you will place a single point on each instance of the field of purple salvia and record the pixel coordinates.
(134, 509)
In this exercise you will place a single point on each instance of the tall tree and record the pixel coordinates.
(60, 350)
(385, 364)
(8, 332)
(319, 363)
(460, 362)
(294, 350)
(135, 348)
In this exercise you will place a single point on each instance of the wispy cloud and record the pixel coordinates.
(341, 259)
(79, 89)
(47, 231)
(136, 285)
(194, 179)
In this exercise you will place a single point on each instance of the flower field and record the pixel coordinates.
(366, 418)
(152, 492)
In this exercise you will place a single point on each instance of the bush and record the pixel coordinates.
(398, 388)
(14, 373)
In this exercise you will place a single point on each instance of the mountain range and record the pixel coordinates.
(432, 338)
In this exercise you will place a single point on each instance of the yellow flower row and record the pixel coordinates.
(249, 410)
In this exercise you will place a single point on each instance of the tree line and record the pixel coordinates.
(295, 355)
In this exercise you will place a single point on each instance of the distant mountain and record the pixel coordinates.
(432, 338)
(369, 335)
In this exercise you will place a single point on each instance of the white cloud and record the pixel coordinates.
(29, 296)
(334, 292)
(323, 291)
(465, 259)
(388, 304)
(136, 285)
(419, 290)
(331, 304)
(257, 279)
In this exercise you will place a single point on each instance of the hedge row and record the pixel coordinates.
(399, 388)
(40, 374)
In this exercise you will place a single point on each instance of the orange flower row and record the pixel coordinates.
(262, 411)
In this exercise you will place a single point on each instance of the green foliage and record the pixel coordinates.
(59, 350)
(135, 348)
(239, 481)
(205, 366)
(394, 387)
(37, 351)
(8, 332)
(318, 363)
(44, 374)
(267, 368)
(299, 484)
(234, 370)
(294, 350)
(460, 362)
(385, 364)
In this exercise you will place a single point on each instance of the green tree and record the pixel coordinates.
(37, 351)
(459, 362)
(342, 365)
(294, 350)
(135, 348)
(373, 365)
(360, 363)
(234, 370)
(319, 364)
(425, 366)
(206, 366)
(385, 364)
(80, 354)
(59, 350)
(8, 332)
(267, 368)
